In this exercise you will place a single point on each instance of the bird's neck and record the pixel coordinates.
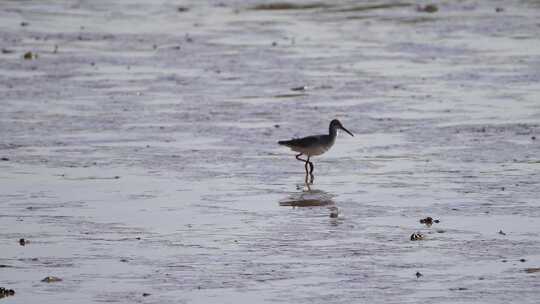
(333, 132)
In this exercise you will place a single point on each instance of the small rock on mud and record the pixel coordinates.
(428, 221)
(30, 56)
(428, 8)
(51, 279)
(532, 270)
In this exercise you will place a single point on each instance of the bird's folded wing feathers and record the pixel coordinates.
(300, 142)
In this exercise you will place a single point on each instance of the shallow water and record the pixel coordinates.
(142, 154)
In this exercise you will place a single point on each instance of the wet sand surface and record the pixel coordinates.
(139, 152)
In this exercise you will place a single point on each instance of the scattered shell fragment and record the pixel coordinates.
(417, 236)
(4, 292)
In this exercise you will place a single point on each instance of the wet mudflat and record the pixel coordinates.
(140, 164)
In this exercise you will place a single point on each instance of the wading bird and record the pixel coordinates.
(314, 145)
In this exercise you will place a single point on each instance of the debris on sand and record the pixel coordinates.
(428, 221)
(30, 56)
(532, 270)
(428, 8)
(146, 294)
(417, 236)
(300, 88)
(334, 212)
(4, 292)
(51, 279)
(501, 232)
(287, 6)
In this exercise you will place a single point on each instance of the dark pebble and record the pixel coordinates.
(276, 126)
(22, 242)
(51, 279)
(533, 137)
(501, 232)
(28, 56)
(499, 9)
(274, 43)
(182, 9)
(428, 8)
(4, 159)
(24, 23)
(418, 274)
(145, 294)
(522, 260)
(428, 220)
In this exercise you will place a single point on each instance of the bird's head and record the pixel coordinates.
(336, 124)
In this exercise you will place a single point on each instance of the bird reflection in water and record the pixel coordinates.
(309, 198)
(313, 198)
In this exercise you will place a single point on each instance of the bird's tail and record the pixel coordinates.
(283, 142)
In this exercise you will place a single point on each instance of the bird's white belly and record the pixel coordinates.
(313, 151)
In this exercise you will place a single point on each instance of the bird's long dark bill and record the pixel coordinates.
(343, 128)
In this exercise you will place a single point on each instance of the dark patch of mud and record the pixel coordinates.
(278, 6)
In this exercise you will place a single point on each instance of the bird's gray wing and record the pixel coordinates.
(303, 142)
